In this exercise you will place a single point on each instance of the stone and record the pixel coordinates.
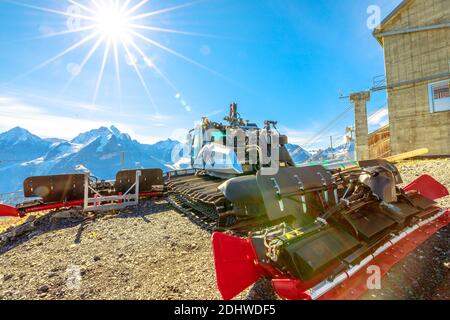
(30, 219)
(22, 229)
(43, 289)
(66, 214)
(7, 277)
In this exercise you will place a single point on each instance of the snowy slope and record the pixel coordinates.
(342, 152)
(298, 154)
(20, 145)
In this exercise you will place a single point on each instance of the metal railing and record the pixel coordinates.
(105, 203)
(379, 81)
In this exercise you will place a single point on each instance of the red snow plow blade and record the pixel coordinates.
(8, 211)
(427, 187)
(235, 263)
(240, 262)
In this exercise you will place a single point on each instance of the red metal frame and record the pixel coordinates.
(8, 211)
(153, 194)
(237, 266)
(290, 289)
(52, 206)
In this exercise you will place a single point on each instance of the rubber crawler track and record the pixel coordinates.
(196, 217)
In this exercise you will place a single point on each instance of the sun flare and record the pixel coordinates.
(119, 26)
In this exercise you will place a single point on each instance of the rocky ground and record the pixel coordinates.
(150, 252)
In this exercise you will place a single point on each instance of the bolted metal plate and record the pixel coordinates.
(402, 211)
(421, 201)
(308, 257)
(56, 188)
(370, 223)
(294, 182)
(151, 180)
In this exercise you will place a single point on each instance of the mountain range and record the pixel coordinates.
(342, 152)
(101, 151)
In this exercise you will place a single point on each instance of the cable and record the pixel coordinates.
(376, 112)
(330, 125)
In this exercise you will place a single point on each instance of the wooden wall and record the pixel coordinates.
(380, 143)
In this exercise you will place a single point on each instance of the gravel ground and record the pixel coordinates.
(149, 253)
(152, 252)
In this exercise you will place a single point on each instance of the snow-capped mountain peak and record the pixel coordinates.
(19, 145)
(298, 154)
(103, 151)
(166, 144)
(90, 136)
(115, 131)
(17, 135)
(104, 133)
(342, 152)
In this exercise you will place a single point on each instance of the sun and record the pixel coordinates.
(120, 27)
(113, 22)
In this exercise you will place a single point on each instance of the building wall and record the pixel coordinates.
(413, 56)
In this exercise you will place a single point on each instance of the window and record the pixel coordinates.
(439, 93)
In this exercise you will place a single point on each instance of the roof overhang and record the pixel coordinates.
(383, 129)
(395, 13)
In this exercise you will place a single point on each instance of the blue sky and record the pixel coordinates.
(284, 60)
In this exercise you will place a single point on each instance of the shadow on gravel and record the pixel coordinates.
(22, 234)
(145, 210)
(83, 225)
(423, 275)
(41, 226)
